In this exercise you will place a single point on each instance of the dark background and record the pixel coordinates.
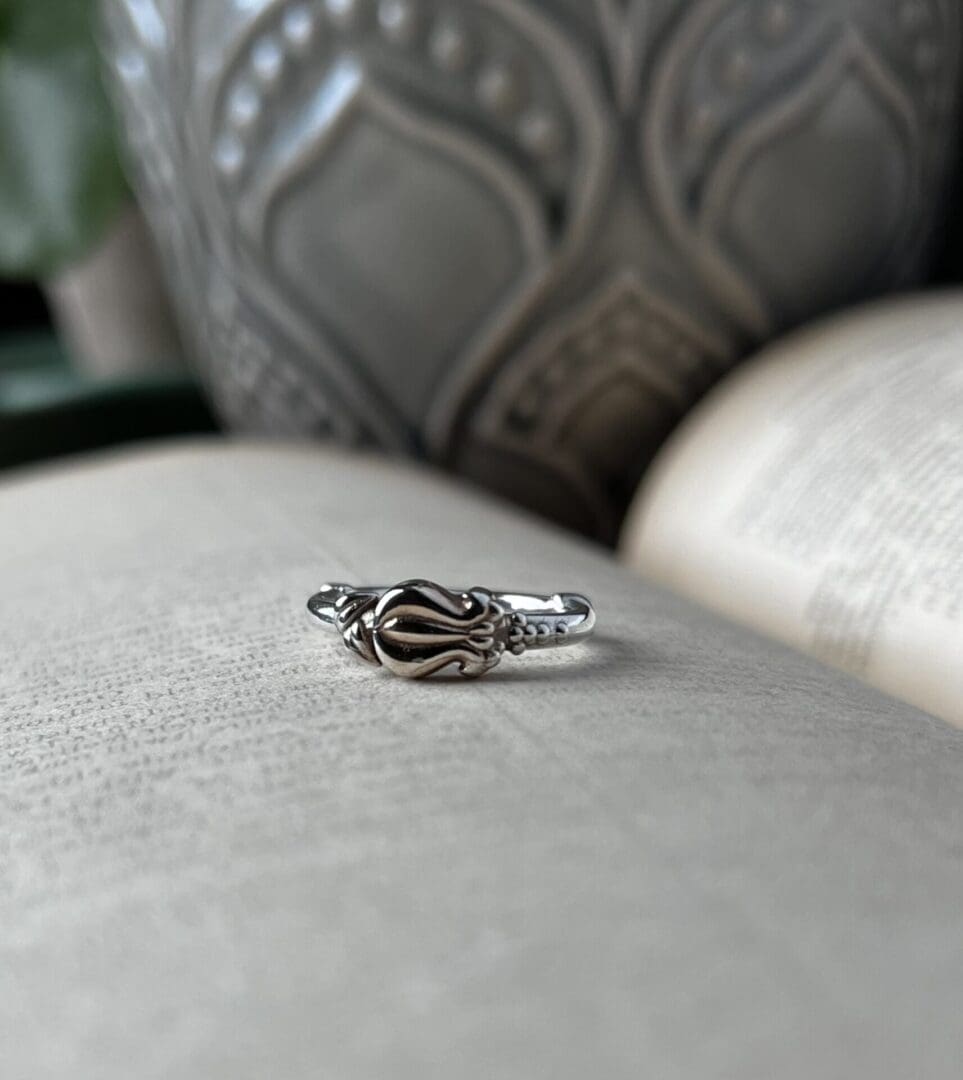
(21, 308)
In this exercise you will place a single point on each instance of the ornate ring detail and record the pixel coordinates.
(417, 628)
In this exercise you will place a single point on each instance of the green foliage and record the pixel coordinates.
(61, 182)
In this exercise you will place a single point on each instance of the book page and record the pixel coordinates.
(229, 850)
(818, 497)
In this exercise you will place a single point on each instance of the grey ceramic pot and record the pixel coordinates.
(522, 238)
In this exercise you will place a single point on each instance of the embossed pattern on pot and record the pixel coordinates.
(415, 209)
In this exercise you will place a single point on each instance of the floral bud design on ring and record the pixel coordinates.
(417, 628)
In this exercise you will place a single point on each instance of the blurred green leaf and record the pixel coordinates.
(61, 182)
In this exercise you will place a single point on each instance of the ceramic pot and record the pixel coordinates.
(522, 238)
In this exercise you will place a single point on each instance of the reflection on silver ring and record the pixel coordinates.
(417, 628)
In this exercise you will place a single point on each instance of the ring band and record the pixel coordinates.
(416, 628)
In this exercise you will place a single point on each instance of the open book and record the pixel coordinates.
(817, 496)
(228, 849)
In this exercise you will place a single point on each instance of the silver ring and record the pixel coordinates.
(416, 628)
